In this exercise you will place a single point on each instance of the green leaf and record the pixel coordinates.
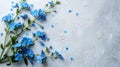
(29, 22)
(8, 44)
(24, 0)
(47, 50)
(28, 28)
(2, 46)
(13, 39)
(5, 29)
(17, 11)
(13, 50)
(57, 2)
(26, 61)
(47, 12)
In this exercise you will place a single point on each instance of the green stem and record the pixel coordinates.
(17, 14)
(7, 35)
(18, 36)
(7, 31)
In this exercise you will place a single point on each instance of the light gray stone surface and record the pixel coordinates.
(92, 37)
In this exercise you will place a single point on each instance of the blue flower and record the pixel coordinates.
(19, 25)
(30, 53)
(25, 16)
(27, 52)
(8, 18)
(17, 45)
(15, 6)
(12, 26)
(39, 14)
(41, 58)
(34, 13)
(41, 34)
(18, 56)
(59, 55)
(25, 5)
(26, 41)
(33, 25)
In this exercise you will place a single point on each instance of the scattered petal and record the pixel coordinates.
(70, 11)
(77, 14)
(71, 58)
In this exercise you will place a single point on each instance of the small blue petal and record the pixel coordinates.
(34, 13)
(17, 45)
(41, 34)
(18, 25)
(12, 26)
(41, 58)
(18, 56)
(1, 34)
(33, 25)
(41, 43)
(70, 11)
(25, 5)
(15, 6)
(52, 26)
(66, 48)
(77, 14)
(30, 53)
(25, 16)
(71, 58)
(65, 31)
(59, 55)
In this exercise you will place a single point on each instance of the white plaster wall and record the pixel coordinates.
(93, 37)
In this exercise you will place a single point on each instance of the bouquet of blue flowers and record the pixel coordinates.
(17, 47)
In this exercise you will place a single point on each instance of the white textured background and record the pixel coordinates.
(93, 37)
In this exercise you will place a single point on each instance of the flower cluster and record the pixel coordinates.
(39, 14)
(8, 18)
(14, 25)
(16, 47)
(41, 35)
(25, 5)
(24, 42)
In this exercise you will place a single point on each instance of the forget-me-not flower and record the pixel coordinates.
(41, 35)
(41, 58)
(24, 42)
(39, 14)
(8, 18)
(18, 56)
(13, 26)
(59, 55)
(25, 5)
(24, 16)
